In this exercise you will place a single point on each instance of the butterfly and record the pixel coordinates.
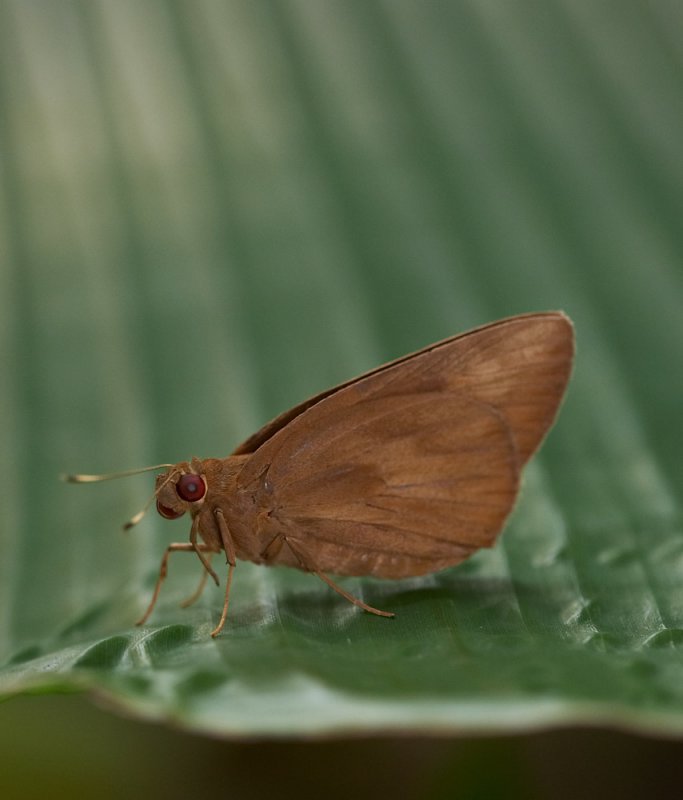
(403, 471)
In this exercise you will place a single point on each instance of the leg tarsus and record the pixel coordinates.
(188, 601)
(224, 615)
(351, 598)
(309, 567)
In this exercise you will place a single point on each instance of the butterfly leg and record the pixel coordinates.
(178, 547)
(231, 558)
(307, 565)
(273, 548)
(200, 549)
(188, 601)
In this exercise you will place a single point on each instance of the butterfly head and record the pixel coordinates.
(182, 488)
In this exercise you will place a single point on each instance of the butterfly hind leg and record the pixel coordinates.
(307, 564)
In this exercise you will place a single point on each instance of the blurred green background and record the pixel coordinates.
(210, 210)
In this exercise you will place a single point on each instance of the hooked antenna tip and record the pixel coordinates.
(133, 521)
(72, 478)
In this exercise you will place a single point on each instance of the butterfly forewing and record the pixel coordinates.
(413, 466)
(522, 363)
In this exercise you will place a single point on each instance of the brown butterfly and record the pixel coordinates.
(403, 471)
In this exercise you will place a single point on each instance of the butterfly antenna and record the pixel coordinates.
(137, 517)
(109, 476)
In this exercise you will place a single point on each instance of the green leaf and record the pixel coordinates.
(210, 212)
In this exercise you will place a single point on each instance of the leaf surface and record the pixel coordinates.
(210, 212)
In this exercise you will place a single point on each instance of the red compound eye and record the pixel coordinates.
(167, 512)
(190, 488)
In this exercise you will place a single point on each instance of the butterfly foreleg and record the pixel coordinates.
(178, 547)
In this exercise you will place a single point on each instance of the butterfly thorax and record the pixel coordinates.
(220, 475)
